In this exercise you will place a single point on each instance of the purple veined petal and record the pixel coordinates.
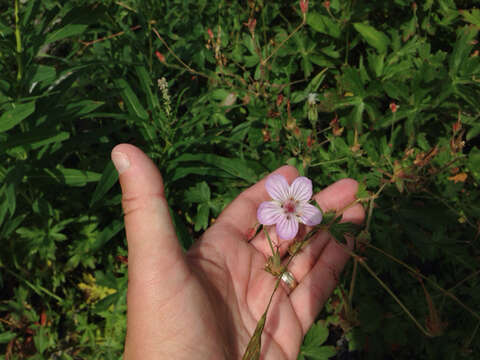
(301, 189)
(287, 227)
(277, 187)
(309, 215)
(269, 213)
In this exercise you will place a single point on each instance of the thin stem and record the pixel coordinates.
(176, 57)
(263, 62)
(442, 290)
(466, 279)
(470, 340)
(329, 162)
(352, 283)
(392, 294)
(269, 241)
(18, 39)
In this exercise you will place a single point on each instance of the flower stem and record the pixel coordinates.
(18, 39)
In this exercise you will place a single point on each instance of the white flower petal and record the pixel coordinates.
(309, 215)
(301, 189)
(269, 213)
(287, 227)
(277, 187)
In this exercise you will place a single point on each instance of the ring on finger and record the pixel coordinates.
(289, 280)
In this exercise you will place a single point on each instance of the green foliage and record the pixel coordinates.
(396, 107)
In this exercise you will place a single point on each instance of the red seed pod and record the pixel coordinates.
(326, 4)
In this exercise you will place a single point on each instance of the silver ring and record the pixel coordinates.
(289, 280)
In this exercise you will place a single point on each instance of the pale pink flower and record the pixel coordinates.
(289, 206)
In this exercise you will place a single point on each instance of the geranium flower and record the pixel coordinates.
(289, 206)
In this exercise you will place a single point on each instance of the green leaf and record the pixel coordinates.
(106, 234)
(65, 32)
(462, 48)
(6, 337)
(131, 100)
(201, 220)
(72, 177)
(198, 194)
(340, 230)
(45, 74)
(108, 179)
(35, 139)
(316, 336)
(362, 192)
(373, 37)
(323, 24)
(15, 115)
(255, 344)
(472, 16)
(232, 166)
(474, 163)
(319, 353)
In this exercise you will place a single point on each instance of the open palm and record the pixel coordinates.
(205, 304)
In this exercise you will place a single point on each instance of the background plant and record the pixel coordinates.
(394, 103)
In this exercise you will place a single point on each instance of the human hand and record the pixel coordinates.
(205, 304)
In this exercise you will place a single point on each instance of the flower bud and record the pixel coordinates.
(160, 56)
(304, 6)
(394, 107)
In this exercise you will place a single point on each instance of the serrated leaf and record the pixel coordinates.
(319, 353)
(323, 24)
(199, 193)
(201, 220)
(340, 230)
(362, 192)
(472, 16)
(373, 37)
(15, 115)
(316, 336)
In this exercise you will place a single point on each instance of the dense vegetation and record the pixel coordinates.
(219, 93)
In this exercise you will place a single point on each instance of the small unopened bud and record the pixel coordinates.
(304, 6)
(160, 56)
(210, 33)
(394, 107)
(279, 99)
(326, 4)
(251, 25)
(457, 126)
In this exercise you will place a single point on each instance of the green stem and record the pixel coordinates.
(352, 283)
(438, 287)
(392, 294)
(19, 43)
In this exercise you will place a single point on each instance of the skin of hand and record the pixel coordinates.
(205, 304)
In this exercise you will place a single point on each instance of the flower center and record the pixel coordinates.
(289, 207)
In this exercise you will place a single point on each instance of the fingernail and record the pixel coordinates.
(121, 162)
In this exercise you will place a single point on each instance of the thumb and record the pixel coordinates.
(156, 266)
